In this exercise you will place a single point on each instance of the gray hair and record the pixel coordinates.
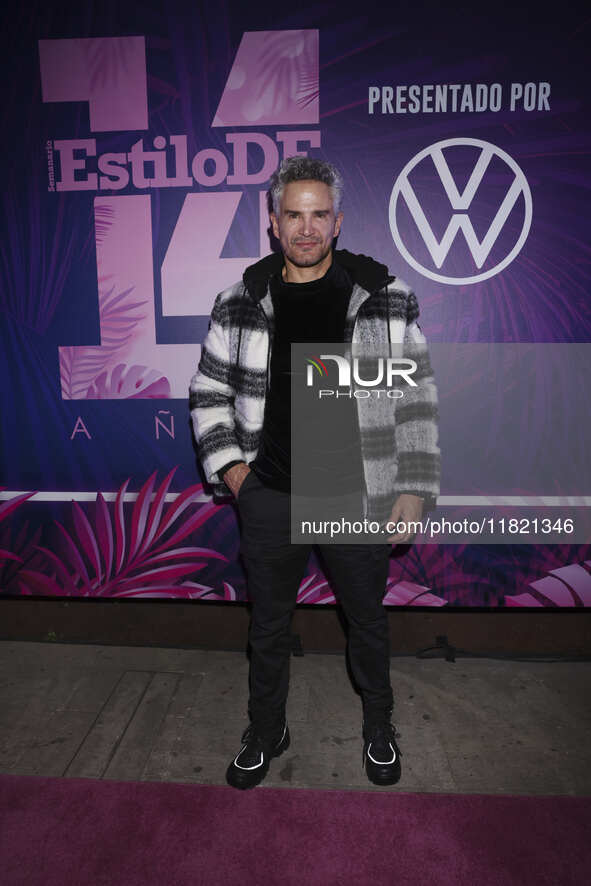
(295, 169)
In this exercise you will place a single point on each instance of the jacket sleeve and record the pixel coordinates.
(211, 400)
(419, 457)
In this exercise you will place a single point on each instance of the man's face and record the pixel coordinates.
(306, 223)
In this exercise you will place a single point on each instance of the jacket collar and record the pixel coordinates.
(363, 270)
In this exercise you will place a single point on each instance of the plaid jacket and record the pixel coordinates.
(227, 394)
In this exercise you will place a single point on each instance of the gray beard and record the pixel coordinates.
(312, 262)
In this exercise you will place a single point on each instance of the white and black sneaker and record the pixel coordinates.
(251, 763)
(381, 754)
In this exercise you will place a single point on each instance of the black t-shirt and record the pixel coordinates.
(309, 312)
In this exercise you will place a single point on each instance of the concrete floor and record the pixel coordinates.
(134, 713)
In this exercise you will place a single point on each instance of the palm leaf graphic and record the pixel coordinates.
(285, 73)
(80, 365)
(315, 590)
(104, 215)
(12, 504)
(140, 557)
(16, 556)
(565, 586)
(7, 508)
(108, 60)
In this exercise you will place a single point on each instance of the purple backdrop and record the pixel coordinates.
(137, 145)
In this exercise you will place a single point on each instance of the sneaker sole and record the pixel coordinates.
(383, 780)
(389, 780)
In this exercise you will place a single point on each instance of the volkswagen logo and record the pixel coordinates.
(463, 209)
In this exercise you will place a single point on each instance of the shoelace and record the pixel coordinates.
(250, 733)
(380, 733)
(256, 741)
(254, 745)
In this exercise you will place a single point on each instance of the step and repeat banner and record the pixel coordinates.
(137, 146)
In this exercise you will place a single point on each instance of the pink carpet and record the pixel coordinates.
(64, 832)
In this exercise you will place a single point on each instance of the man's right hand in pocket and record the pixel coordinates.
(235, 476)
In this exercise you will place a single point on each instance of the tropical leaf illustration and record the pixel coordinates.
(189, 589)
(129, 382)
(288, 70)
(18, 555)
(20, 552)
(479, 575)
(7, 508)
(108, 60)
(103, 219)
(314, 589)
(407, 593)
(566, 586)
(139, 556)
(427, 575)
(100, 220)
(80, 366)
(398, 593)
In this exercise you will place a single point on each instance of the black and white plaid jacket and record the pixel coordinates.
(227, 393)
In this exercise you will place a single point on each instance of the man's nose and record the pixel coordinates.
(307, 226)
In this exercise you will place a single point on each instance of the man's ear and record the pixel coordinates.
(338, 223)
(274, 224)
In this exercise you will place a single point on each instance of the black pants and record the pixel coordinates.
(275, 568)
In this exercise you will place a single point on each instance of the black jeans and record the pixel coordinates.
(275, 568)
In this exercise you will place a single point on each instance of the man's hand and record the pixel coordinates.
(408, 508)
(235, 477)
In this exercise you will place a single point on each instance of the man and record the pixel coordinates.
(240, 409)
